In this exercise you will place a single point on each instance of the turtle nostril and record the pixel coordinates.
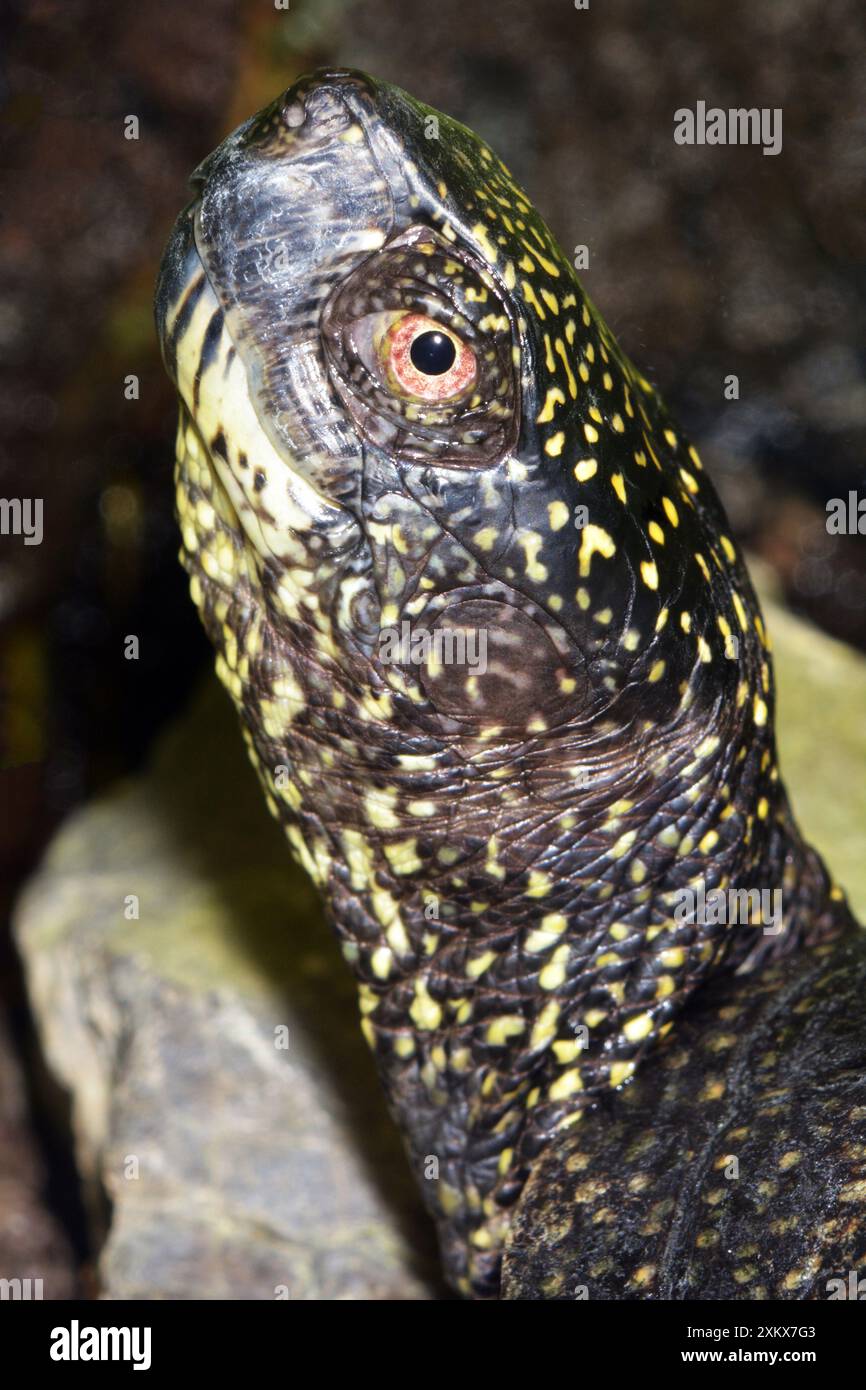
(295, 114)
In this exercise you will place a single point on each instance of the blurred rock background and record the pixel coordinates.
(706, 262)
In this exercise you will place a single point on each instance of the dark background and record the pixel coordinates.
(705, 261)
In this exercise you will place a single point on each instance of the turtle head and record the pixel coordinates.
(441, 430)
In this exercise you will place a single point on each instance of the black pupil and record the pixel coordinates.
(432, 353)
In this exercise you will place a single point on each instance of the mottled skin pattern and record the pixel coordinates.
(733, 1167)
(499, 851)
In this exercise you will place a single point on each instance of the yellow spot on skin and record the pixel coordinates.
(638, 1027)
(739, 610)
(690, 482)
(540, 884)
(403, 857)
(381, 962)
(618, 484)
(545, 1025)
(620, 1072)
(565, 1085)
(670, 511)
(531, 542)
(552, 927)
(617, 423)
(501, 1029)
(558, 514)
(572, 384)
(553, 398)
(591, 434)
(379, 806)
(709, 842)
(649, 574)
(477, 967)
(594, 540)
(424, 1011)
(553, 974)
(550, 266)
(704, 651)
(656, 533)
(492, 865)
(530, 297)
(760, 711)
(417, 762)
(623, 844)
(553, 447)
(421, 808)
(714, 1089)
(585, 469)
(486, 538)
(488, 250)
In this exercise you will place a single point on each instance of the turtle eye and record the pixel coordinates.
(422, 358)
(421, 354)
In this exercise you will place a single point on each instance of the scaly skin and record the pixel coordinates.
(500, 851)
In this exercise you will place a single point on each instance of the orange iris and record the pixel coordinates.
(439, 386)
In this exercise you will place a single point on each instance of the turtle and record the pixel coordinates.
(507, 686)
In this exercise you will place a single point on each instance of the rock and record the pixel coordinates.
(235, 1168)
(821, 734)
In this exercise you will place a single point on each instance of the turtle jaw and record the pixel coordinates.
(270, 505)
(288, 206)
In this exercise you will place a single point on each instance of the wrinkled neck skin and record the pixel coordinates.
(506, 901)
